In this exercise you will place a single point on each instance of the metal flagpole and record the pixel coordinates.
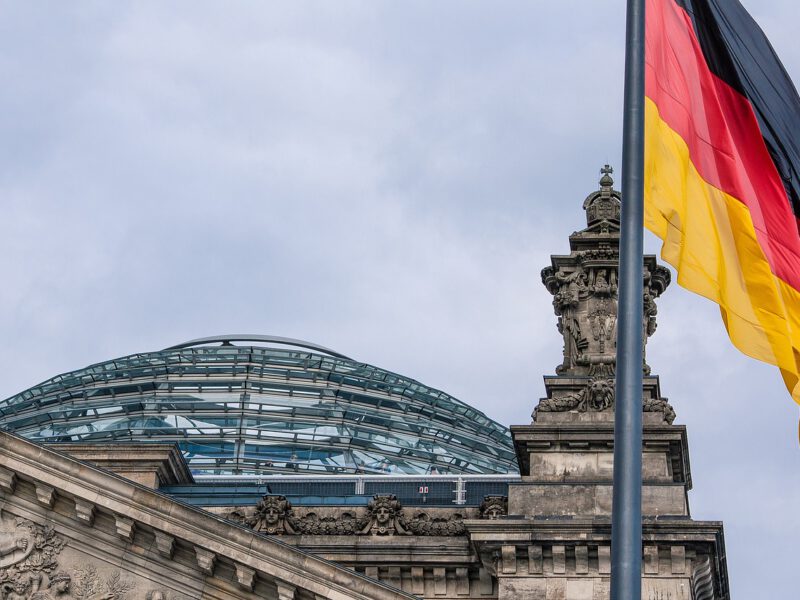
(626, 517)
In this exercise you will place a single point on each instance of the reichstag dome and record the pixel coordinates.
(251, 405)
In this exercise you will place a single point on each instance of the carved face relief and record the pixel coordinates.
(383, 516)
(494, 507)
(601, 394)
(271, 516)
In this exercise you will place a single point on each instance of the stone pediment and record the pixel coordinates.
(69, 530)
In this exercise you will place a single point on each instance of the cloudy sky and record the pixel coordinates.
(383, 178)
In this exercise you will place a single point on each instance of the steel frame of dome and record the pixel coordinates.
(248, 410)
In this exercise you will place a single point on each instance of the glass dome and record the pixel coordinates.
(258, 409)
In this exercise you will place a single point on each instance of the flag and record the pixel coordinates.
(722, 171)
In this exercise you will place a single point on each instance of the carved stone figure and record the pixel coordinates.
(18, 590)
(494, 507)
(600, 394)
(385, 515)
(271, 515)
(60, 588)
(28, 554)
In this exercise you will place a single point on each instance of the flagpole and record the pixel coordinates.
(626, 517)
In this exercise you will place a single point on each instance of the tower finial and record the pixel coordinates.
(605, 180)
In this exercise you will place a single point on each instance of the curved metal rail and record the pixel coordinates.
(227, 340)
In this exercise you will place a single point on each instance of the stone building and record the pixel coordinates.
(260, 467)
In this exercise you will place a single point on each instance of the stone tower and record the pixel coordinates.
(555, 541)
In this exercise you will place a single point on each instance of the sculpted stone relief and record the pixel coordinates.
(585, 302)
(384, 515)
(597, 396)
(493, 507)
(584, 286)
(29, 569)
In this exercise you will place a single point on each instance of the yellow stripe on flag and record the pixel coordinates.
(709, 238)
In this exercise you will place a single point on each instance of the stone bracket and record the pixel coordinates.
(206, 560)
(286, 591)
(45, 495)
(85, 511)
(165, 544)
(246, 577)
(125, 527)
(8, 481)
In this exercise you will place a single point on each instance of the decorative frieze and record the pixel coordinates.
(384, 515)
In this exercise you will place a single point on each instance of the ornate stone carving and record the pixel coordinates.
(596, 396)
(584, 287)
(660, 405)
(384, 515)
(273, 515)
(345, 524)
(423, 524)
(29, 562)
(27, 555)
(494, 507)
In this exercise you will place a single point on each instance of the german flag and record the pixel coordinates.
(722, 171)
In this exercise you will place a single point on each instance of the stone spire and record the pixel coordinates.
(584, 288)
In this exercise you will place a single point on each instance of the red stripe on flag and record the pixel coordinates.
(720, 128)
